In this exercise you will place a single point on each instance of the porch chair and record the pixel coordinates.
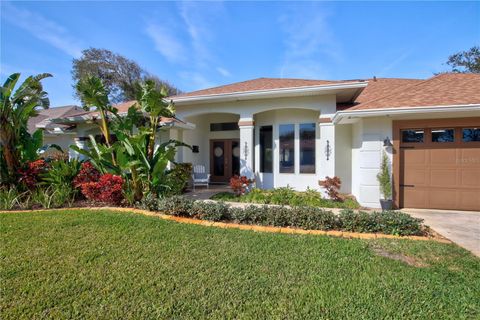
(200, 177)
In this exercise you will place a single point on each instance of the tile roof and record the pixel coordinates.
(441, 90)
(260, 84)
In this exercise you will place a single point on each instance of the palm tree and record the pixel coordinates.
(15, 110)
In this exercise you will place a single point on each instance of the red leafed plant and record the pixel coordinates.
(87, 173)
(332, 186)
(240, 184)
(108, 189)
(30, 174)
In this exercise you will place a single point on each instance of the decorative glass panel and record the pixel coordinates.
(307, 148)
(266, 149)
(235, 158)
(470, 134)
(287, 148)
(412, 135)
(218, 158)
(443, 135)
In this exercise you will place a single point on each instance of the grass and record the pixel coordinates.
(110, 265)
(287, 196)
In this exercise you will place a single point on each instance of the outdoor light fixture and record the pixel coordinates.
(387, 142)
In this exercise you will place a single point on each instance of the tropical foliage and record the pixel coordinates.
(135, 155)
(17, 145)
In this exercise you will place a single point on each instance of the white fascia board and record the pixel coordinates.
(271, 93)
(403, 110)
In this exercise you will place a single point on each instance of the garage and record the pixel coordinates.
(437, 164)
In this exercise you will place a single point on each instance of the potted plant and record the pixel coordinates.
(384, 179)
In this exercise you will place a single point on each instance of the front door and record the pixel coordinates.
(224, 159)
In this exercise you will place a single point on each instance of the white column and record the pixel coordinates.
(326, 152)
(81, 143)
(246, 126)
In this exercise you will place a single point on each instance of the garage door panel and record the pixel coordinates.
(442, 178)
(469, 177)
(469, 200)
(414, 198)
(415, 157)
(443, 157)
(416, 176)
(441, 198)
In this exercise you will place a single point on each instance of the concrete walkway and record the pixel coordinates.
(462, 227)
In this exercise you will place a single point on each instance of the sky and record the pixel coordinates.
(196, 45)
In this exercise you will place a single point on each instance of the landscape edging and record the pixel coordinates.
(231, 225)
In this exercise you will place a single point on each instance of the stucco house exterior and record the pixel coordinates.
(294, 132)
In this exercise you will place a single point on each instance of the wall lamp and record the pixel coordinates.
(387, 142)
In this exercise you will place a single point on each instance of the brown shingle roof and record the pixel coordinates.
(377, 88)
(443, 89)
(259, 84)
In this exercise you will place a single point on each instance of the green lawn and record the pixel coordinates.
(84, 264)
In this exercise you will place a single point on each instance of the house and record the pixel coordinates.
(293, 132)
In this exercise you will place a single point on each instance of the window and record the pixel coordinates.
(412, 135)
(443, 135)
(470, 134)
(287, 148)
(224, 126)
(266, 150)
(307, 148)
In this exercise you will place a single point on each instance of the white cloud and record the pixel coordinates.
(309, 43)
(42, 28)
(224, 72)
(166, 43)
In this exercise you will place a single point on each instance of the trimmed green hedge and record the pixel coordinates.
(312, 218)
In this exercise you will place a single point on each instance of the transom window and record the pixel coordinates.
(413, 135)
(224, 126)
(470, 134)
(443, 135)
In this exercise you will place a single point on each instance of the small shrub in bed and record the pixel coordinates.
(176, 206)
(149, 202)
(213, 211)
(313, 218)
(388, 222)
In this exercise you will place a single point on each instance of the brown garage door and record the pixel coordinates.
(440, 167)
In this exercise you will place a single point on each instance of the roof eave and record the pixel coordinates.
(340, 115)
(271, 93)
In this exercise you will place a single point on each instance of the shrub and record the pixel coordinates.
(108, 189)
(9, 198)
(384, 179)
(30, 175)
(61, 173)
(332, 187)
(282, 196)
(87, 173)
(240, 184)
(213, 211)
(176, 206)
(313, 218)
(388, 222)
(149, 202)
(44, 198)
(179, 177)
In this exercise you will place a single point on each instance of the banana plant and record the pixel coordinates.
(16, 107)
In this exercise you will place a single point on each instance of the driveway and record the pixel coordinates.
(462, 227)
